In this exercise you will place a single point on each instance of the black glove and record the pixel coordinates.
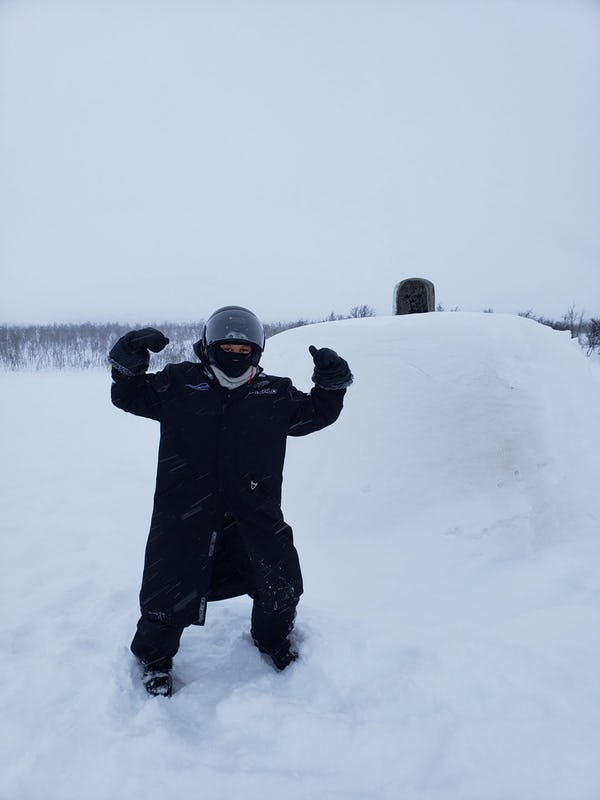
(331, 371)
(130, 354)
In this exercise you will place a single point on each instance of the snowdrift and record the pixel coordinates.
(448, 529)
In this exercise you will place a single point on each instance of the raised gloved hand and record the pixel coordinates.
(130, 354)
(331, 371)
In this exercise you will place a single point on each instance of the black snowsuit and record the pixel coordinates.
(217, 529)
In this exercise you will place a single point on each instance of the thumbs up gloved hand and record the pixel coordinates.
(331, 371)
(130, 354)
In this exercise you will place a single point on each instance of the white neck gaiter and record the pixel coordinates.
(232, 383)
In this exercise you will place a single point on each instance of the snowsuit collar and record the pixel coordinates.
(230, 383)
(215, 375)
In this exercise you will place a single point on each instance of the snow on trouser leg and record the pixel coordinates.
(155, 643)
(270, 633)
(278, 581)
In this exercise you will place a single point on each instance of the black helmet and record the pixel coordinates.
(235, 325)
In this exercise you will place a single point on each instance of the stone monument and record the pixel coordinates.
(414, 296)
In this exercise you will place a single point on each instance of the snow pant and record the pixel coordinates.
(260, 561)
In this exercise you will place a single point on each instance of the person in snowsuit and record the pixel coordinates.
(217, 529)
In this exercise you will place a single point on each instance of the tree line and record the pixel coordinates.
(85, 345)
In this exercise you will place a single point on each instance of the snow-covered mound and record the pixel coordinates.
(448, 529)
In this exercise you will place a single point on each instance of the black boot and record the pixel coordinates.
(282, 655)
(158, 682)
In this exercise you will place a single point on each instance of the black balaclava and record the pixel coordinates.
(233, 364)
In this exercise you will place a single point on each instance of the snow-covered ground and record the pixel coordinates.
(449, 531)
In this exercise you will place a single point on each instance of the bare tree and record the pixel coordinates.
(573, 321)
(362, 311)
(593, 335)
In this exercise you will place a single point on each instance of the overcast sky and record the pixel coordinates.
(160, 159)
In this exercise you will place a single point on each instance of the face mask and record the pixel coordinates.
(233, 364)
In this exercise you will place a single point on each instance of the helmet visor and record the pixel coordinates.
(234, 324)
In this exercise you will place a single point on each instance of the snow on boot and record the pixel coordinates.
(158, 683)
(282, 655)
